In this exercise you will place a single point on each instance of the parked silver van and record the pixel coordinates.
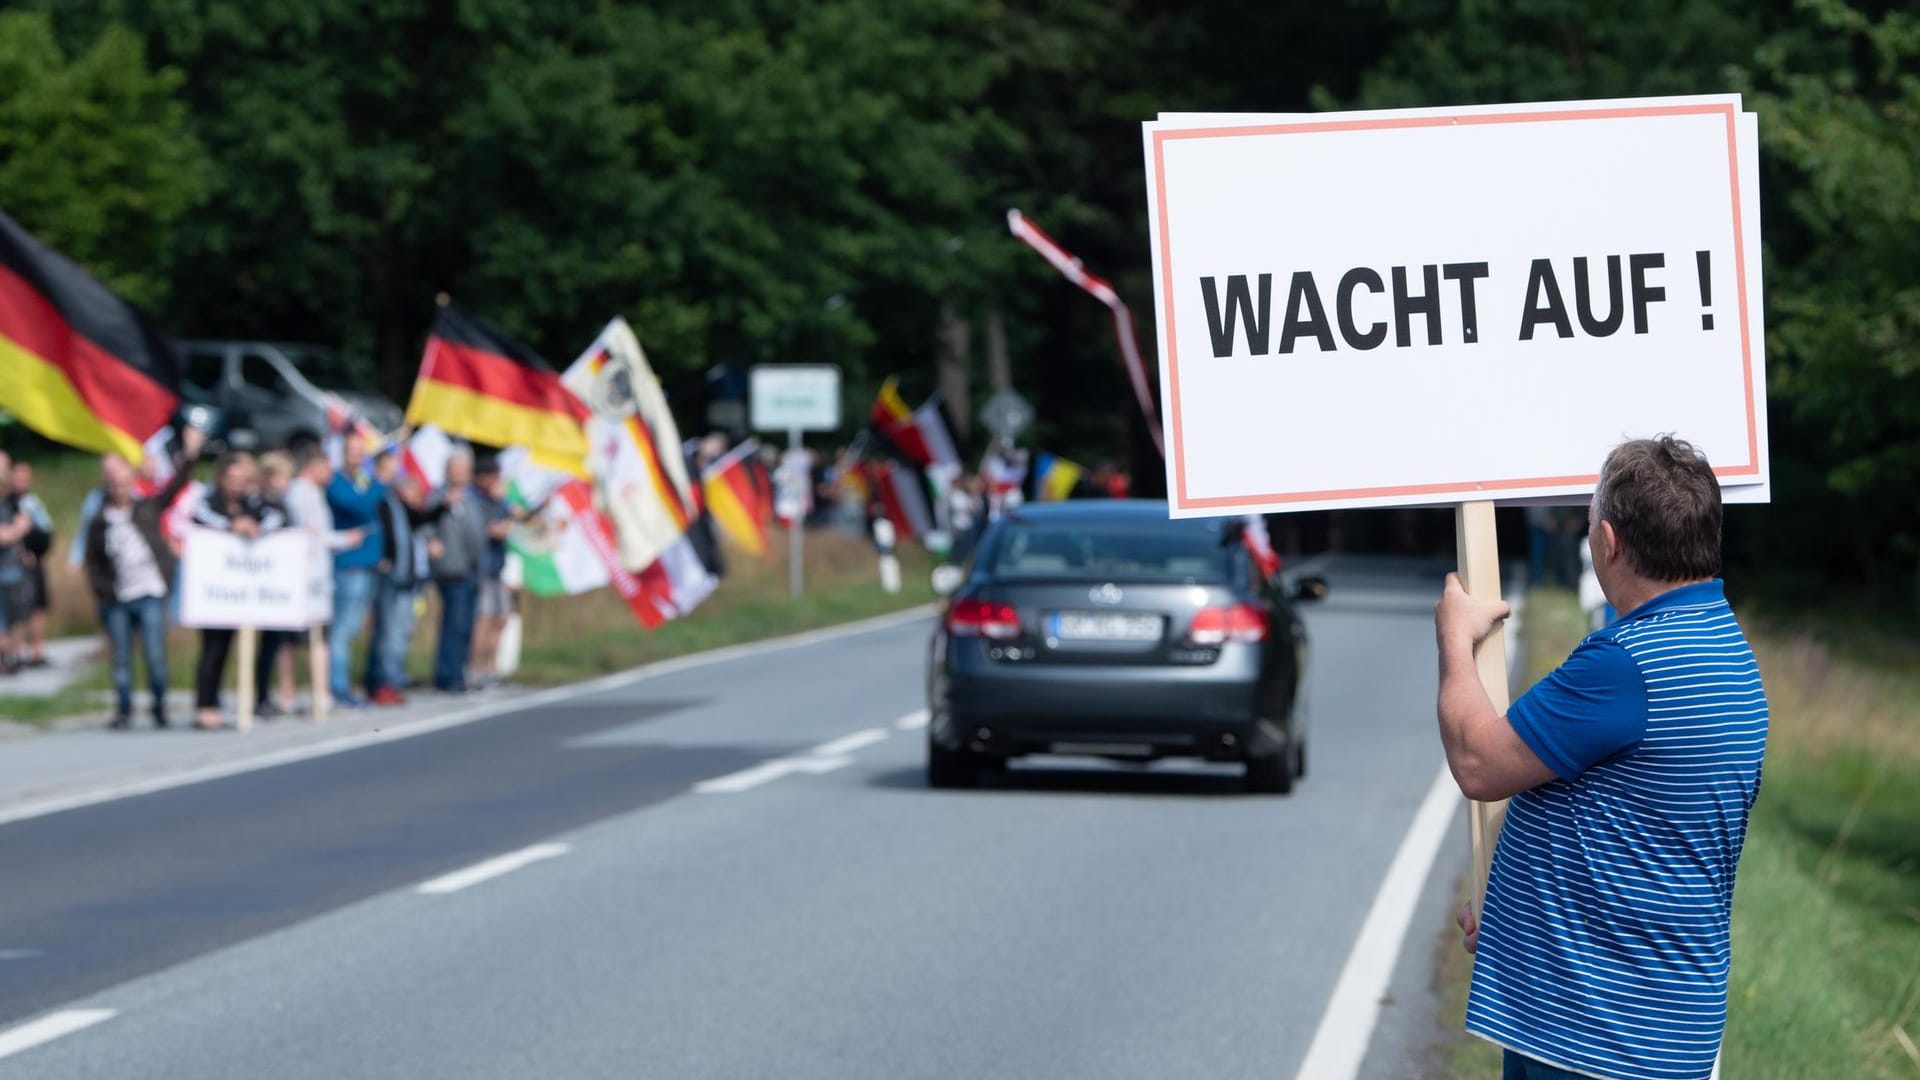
(274, 394)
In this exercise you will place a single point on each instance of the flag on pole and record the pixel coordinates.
(557, 553)
(480, 384)
(677, 581)
(425, 456)
(77, 363)
(921, 435)
(738, 499)
(903, 496)
(1054, 477)
(1075, 271)
(635, 446)
(1259, 544)
(893, 419)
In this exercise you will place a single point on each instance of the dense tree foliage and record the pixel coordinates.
(761, 179)
(96, 152)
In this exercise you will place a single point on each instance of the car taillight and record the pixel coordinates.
(1219, 625)
(982, 618)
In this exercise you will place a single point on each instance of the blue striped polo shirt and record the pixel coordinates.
(1604, 944)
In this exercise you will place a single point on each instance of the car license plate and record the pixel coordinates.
(1102, 626)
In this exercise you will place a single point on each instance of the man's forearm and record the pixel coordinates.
(1466, 714)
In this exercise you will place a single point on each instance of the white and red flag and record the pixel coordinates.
(1075, 271)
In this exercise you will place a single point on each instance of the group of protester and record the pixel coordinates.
(387, 539)
(26, 535)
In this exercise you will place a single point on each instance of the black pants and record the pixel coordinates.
(271, 642)
(212, 669)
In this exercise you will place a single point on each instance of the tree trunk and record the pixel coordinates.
(955, 373)
(999, 370)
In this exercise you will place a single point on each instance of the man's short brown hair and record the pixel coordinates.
(1664, 503)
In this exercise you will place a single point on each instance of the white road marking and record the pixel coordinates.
(913, 721)
(147, 785)
(768, 771)
(492, 868)
(50, 1027)
(847, 744)
(1346, 1027)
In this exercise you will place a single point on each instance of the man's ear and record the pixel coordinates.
(1609, 541)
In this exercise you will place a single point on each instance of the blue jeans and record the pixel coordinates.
(457, 599)
(392, 632)
(1520, 1067)
(150, 612)
(352, 598)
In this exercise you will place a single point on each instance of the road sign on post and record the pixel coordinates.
(1428, 306)
(795, 398)
(1006, 414)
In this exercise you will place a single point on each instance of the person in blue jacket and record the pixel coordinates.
(354, 496)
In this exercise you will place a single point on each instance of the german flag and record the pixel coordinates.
(897, 422)
(739, 502)
(77, 363)
(480, 384)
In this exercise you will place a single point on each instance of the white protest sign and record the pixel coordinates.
(281, 581)
(1435, 306)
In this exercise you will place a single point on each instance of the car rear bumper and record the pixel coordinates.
(1008, 709)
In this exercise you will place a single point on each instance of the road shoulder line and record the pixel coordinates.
(1346, 1028)
(47, 1028)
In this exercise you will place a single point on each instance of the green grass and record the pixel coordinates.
(586, 636)
(1826, 925)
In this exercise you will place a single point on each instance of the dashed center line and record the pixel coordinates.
(824, 758)
(768, 771)
(492, 868)
(847, 744)
(50, 1027)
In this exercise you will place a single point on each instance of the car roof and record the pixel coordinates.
(1104, 511)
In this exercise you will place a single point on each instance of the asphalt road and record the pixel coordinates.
(735, 870)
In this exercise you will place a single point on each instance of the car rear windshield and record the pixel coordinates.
(1148, 551)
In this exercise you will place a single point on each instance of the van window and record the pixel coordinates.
(205, 369)
(260, 373)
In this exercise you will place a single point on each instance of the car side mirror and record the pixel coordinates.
(947, 579)
(1313, 587)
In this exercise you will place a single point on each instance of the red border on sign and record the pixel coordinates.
(1466, 487)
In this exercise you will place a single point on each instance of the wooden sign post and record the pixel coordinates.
(249, 642)
(1479, 553)
(317, 686)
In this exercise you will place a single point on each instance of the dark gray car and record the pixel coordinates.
(1105, 628)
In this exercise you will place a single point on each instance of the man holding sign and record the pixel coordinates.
(1466, 305)
(1604, 944)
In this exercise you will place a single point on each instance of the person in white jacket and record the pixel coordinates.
(307, 509)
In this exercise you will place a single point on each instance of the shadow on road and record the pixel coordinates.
(1083, 780)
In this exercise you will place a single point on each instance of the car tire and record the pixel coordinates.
(951, 768)
(1270, 774)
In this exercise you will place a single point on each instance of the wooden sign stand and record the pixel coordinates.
(317, 686)
(1479, 551)
(249, 642)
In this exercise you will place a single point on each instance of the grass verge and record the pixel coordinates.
(1826, 918)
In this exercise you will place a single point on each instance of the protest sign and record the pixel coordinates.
(280, 581)
(1396, 308)
(1431, 306)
